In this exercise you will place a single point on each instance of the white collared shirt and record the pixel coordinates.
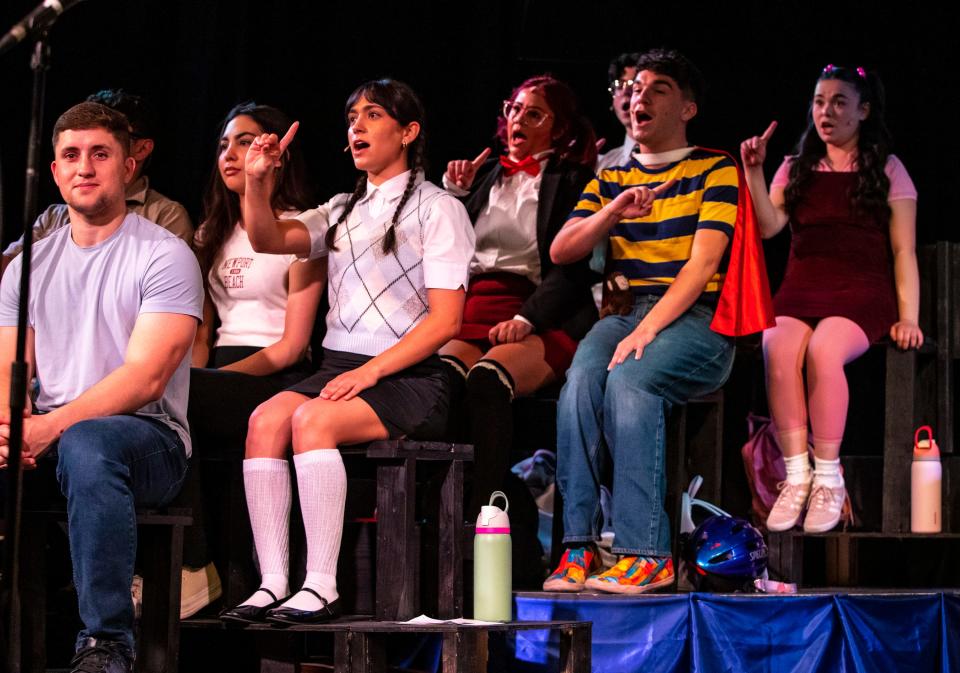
(378, 197)
(506, 228)
(618, 156)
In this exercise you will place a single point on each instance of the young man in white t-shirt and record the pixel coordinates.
(113, 308)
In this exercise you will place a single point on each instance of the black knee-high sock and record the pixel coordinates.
(489, 395)
(457, 425)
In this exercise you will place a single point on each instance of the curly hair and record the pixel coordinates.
(869, 194)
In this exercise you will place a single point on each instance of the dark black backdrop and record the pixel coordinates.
(195, 59)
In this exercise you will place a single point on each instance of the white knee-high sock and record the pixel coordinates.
(267, 485)
(322, 482)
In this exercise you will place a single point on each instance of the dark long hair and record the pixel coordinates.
(869, 194)
(574, 138)
(404, 106)
(221, 207)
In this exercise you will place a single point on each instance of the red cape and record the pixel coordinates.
(745, 305)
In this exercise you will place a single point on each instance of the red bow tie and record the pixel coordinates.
(528, 165)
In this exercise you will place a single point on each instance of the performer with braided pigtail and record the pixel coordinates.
(398, 249)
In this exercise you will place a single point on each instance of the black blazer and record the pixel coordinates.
(563, 298)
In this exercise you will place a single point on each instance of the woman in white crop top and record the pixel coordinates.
(259, 313)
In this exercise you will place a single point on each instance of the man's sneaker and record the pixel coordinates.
(102, 656)
(826, 507)
(788, 508)
(634, 575)
(198, 588)
(572, 571)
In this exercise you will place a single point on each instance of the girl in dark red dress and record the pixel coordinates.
(851, 278)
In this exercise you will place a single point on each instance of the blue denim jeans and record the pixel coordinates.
(621, 415)
(106, 467)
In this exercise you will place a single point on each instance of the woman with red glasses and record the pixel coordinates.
(524, 315)
(851, 278)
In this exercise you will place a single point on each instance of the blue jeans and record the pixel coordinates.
(106, 467)
(622, 415)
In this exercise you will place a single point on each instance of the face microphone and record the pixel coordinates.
(40, 19)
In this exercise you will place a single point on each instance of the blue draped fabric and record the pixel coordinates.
(707, 633)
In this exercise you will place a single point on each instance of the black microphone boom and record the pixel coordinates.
(40, 19)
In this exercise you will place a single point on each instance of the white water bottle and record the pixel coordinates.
(492, 575)
(925, 478)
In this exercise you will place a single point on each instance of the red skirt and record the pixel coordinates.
(493, 298)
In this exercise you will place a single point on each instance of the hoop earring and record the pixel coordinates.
(403, 144)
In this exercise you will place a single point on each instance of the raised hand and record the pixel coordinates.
(638, 201)
(754, 150)
(462, 171)
(266, 151)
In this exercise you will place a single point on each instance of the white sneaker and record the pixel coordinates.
(198, 588)
(789, 506)
(825, 508)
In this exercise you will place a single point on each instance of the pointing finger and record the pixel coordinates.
(481, 158)
(769, 132)
(288, 136)
(664, 187)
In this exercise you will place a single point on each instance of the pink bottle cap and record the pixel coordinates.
(925, 449)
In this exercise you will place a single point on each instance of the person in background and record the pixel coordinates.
(620, 76)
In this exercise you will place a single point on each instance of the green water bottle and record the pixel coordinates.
(492, 574)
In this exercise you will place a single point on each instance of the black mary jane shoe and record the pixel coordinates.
(251, 614)
(287, 616)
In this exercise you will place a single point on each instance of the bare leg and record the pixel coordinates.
(784, 348)
(835, 342)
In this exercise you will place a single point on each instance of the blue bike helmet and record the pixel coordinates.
(725, 553)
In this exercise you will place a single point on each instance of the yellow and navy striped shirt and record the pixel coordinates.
(651, 250)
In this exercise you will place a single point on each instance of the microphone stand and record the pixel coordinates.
(39, 63)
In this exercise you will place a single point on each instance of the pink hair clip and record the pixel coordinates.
(830, 67)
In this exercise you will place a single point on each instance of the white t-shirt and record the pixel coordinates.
(376, 298)
(249, 290)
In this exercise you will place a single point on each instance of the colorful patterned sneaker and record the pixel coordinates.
(790, 504)
(572, 571)
(634, 575)
(826, 508)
